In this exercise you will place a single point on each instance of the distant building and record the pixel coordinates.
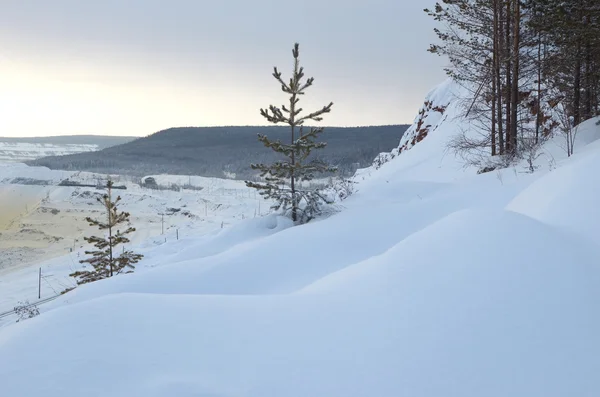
(149, 182)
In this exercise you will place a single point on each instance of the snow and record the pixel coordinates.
(24, 151)
(432, 281)
(42, 226)
(436, 123)
(568, 196)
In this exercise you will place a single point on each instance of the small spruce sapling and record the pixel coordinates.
(282, 179)
(103, 259)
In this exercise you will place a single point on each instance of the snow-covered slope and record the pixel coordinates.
(23, 151)
(433, 281)
(567, 197)
(438, 120)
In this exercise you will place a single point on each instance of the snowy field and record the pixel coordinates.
(23, 151)
(433, 281)
(42, 226)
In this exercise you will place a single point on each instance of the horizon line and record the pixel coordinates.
(189, 126)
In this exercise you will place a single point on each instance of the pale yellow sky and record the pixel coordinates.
(73, 68)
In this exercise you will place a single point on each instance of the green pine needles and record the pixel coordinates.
(283, 179)
(103, 259)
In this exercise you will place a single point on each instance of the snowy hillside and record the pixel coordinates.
(23, 151)
(433, 281)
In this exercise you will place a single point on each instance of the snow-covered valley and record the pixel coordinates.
(23, 151)
(431, 281)
(42, 224)
(17, 150)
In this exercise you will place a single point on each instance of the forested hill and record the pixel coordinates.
(215, 151)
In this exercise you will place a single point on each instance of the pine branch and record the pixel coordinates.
(316, 116)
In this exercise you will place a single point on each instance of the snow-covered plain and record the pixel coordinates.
(23, 151)
(433, 281)
(42, 226)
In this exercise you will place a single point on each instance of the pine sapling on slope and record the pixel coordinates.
(282, 178)
(103, 259)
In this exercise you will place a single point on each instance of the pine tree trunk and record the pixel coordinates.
(577, 85)
(588, 79)
(594, 85)
(515, 74)
(494, 152)
(293, 131)
(110, 250)
(292, 176)
(508, 67)
(110, 222)
(538, 119)
(577, 92)
(498, 15)
(493, 72)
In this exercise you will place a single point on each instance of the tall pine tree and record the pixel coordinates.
(104, 260)
(282, 179)
(473, 42)
(572, 43)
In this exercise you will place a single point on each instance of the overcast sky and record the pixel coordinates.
(133, 67)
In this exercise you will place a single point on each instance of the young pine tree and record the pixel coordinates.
(281, 179)
(104, 259)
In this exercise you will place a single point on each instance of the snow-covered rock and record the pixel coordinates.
(430, 115)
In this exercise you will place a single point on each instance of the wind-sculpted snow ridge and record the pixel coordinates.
(468, 318)
(565, 197)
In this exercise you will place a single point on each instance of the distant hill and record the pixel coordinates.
(27, 149)
(100, 141)
(217, 151)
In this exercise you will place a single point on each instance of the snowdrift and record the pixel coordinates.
(565, 197)
(467, 319)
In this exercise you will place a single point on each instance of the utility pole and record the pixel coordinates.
(162, 224)
(40, 284)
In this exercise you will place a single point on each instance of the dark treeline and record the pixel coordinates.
(533, 66)
(214, 151)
